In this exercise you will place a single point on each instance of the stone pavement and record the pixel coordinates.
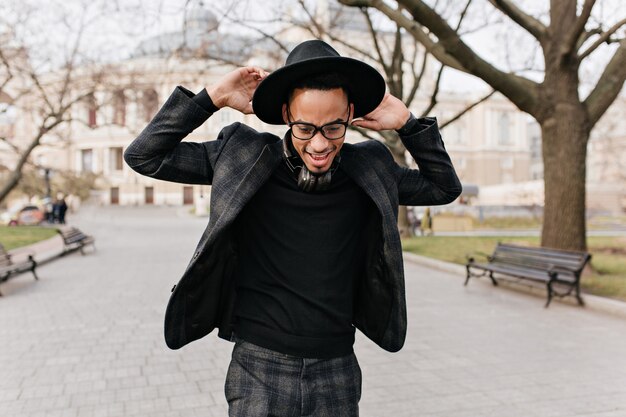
(86, 340)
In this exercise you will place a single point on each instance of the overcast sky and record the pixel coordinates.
(114, 27)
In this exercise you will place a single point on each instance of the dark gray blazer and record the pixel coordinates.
(237, 164)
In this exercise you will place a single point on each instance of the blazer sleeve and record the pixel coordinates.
(159, 152)
(435, 182)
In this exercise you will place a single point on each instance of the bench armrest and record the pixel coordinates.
(471, 256)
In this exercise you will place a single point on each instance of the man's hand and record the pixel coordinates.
(236, 88)
(391, 113)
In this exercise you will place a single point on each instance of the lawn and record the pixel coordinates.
(13, 237)
(606, 277)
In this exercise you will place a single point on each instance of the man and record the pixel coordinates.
(302, 244)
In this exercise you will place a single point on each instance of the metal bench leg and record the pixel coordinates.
(578, 297)
(549, 294)
(493, 280)
(468, 274)
(32, 269)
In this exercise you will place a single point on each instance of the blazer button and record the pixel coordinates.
(195, 255)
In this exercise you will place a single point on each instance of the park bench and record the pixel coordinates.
(8, 268)
(74, 239)
(556, 268)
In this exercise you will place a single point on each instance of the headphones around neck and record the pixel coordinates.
(307, 181)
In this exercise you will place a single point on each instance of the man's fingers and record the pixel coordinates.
(258, 72)
(248, 109)
(367, 124)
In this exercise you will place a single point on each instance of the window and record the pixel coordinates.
(119, 108)
(87, 160)
(504, 129)
(149, 195)
(92, 108)
(187, 195)
(150, 104)
(116, 156)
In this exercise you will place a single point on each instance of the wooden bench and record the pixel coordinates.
(74, 239)
(555, 268)
(8, 268)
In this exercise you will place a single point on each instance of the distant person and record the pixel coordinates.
(302, 244)
(59, 209)
(426, 225)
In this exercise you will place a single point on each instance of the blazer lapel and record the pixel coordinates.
(356, 167)
(250, 182)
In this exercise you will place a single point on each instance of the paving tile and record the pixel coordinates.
(87, 340)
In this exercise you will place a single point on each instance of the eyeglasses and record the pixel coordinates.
(306, 131)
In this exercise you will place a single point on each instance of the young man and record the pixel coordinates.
(302, 245)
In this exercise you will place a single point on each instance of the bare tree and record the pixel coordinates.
(565, 118)
(43, 93)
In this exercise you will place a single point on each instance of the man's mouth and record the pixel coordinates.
(319, 160)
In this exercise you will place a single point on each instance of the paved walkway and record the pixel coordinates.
(86, 340)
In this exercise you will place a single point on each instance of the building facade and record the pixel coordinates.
(492, 145)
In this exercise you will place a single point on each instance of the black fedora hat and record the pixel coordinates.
(366, 85)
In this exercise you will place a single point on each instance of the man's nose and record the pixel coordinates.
(318, 142)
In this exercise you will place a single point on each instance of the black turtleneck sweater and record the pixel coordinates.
(300, 254)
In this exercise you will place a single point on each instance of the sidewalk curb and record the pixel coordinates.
(592, 302)
(41, 256)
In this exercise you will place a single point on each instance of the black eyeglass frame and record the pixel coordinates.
(316, 129)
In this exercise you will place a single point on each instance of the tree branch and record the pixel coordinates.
(532, 25)
(364, 132)
(604, 37)
(416, 30)
(397, 59)
(467, 109)
(579, 27)
(312, 19)
(586, 35)
(11, 145)
(373, 34)
(417, 78)
(8, 71)
(521, 91)
(609, 85)
(433, 96)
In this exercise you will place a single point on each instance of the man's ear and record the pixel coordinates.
(285, 118)
(351, 115)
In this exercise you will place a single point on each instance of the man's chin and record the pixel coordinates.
(318, 171)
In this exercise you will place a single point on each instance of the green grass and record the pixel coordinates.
(13, 237)
(606, 277)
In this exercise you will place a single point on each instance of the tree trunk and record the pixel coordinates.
(564, 143)
(14, 178)
(565, 130)
(16, 173)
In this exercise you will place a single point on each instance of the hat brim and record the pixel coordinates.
(367, 86)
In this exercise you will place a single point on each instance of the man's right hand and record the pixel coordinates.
(236, 88)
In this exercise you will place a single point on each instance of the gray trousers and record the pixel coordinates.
(264, 383)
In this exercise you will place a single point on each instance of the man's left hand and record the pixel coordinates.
(391, 113)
